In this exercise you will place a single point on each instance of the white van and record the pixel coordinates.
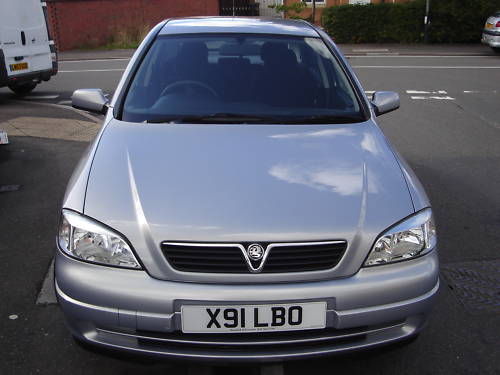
(27, 54)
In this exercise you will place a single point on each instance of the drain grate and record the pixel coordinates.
(476, 284)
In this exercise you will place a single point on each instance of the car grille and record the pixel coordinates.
(230, 258)
(205, 258)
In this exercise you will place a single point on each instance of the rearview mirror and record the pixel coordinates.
(92, 100)
(385, 102)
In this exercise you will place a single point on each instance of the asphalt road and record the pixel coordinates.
(448, 128)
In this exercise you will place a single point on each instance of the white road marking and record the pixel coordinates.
(471, 92)
(91, 70)
(47, 294)
(432, 97)
(111, 59)
(421, 67)
(370, 50)
(4, 139)
(440, 92)
(35, 97)
(13, 317)
(425, 56)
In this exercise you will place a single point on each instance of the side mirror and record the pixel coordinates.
(385, 102)
(92, 100)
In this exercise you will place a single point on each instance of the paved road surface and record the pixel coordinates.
(448, 128)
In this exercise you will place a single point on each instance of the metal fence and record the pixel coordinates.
(238, 8)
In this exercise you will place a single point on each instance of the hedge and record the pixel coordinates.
(452, 21)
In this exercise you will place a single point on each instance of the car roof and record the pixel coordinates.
(196, 25)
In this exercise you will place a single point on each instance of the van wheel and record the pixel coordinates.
(496, 49)
(23, 88)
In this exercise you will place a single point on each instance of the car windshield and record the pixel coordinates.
(239, 78)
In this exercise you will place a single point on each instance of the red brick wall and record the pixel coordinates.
(91, 23)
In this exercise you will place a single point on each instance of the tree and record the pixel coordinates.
(293, 10)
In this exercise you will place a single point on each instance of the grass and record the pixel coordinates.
(121, 39)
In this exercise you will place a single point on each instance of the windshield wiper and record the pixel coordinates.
(230, 118)
(325, 119)
(238, 118)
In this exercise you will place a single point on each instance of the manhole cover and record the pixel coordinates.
(476, 284)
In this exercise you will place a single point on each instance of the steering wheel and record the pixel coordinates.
(192, 83)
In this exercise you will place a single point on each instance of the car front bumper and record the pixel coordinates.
(492, 38)
(128, 310)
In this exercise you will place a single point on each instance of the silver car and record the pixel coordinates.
(491, 32)
(241, 203)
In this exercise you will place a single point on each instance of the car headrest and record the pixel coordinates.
(193, 51)
(276, 54)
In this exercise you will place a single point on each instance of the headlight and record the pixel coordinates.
(413, 237)
(85, 239)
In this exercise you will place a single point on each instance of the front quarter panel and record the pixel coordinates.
(415, 188)
(74, 198)
(417, 191)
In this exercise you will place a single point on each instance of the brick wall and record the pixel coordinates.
(91, 23)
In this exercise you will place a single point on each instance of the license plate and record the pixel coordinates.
(253, 318)
(19, 66)
(489, 26)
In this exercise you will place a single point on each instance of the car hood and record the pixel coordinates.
(240, 183)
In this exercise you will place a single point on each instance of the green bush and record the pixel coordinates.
(452, 21)
(460, 21)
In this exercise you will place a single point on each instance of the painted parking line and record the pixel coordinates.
(432, 97)
(437, 94)
(440, 92)
(366, 50)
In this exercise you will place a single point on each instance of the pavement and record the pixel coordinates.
(95, 54)
(447, 128)
(44, 121)
(418, 49)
